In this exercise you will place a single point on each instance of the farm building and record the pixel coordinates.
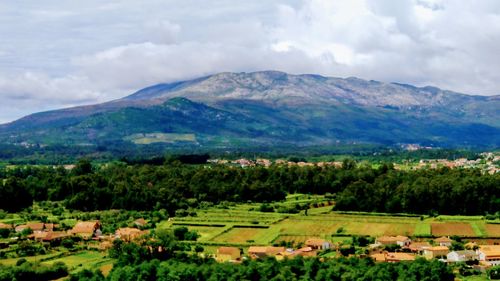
(35, 226)
(256, 252)
(318, 244)
(228, 254)
(390, 240)
(443, 241)
(490, 254)
(87, 229)
(436, 252)
(291, 253)
(392, 257)
(462, 256)
(419, 247)
(128, 233)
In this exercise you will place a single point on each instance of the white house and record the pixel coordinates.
(462, 256)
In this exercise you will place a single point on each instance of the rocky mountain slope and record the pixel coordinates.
(270, 108)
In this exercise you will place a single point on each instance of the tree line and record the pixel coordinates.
(175, 186)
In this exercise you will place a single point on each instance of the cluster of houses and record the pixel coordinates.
(483, 255)
(487, 163)
(486, 255)
(87, 230)
(310, 249)
(266, 162)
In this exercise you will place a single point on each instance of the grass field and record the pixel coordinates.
(221, 226)
(83, 260)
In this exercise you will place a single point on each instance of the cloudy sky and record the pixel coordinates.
(57, 53)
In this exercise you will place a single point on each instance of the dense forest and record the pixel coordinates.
(175, 186)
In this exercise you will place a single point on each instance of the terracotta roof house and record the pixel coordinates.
(128, 233)
(228, 254)
(436, 252)
(291, 253)
(462, 256)
(86, 229)
(35, 226)
(261, 252)
(443, 241)
(489, 254)
(5, 226)
(393, 257)
(398, 240)
(318, 244)
(140, 222)
(419, 246)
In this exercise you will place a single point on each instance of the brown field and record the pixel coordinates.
(240, 235)
(452, 228)
(493, 230)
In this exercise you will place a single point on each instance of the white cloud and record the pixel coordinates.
(75, 53)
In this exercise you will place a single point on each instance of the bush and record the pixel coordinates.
(266, 208)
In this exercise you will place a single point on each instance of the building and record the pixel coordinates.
(256, 252)
(462, 256)
(128, 233)
(419, 247)
(436, 252)
(390, 240)
(140, 222)
(392, 257)
(228, 254)
(87, 229)
(489, 254)
(318, 244)
(5, 226)
(291, 253)
(443, 241)
(34, 226)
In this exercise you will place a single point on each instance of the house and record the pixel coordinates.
(489, 254)
(419, 247)
(390, 240)
(261, 252)
(140, 222)
(443, 241)
(318, 244)
(436, 252)
(34, 226)
(291, 253)
(462, 256)
(228, 254)
(392, 257)
(87, 229)
(128, 233)
(5, 226)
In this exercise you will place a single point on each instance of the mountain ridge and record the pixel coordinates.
(272, 107)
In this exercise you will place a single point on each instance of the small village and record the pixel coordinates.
(487, 163)
(389, 249)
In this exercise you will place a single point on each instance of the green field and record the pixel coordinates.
(244, 225)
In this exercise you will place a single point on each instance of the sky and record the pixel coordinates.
(62, 53)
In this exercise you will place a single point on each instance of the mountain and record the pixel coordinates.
(267, 109)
